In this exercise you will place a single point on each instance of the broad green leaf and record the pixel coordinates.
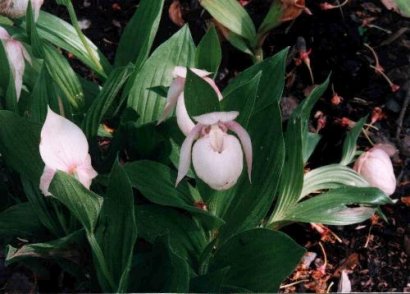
(249, 202)
(199, 96)
(157, 71)
(19, 145)
(160, 270)
(258, 260)
(82, 203)
(64, 76)
(208, 54)
(117, 229)
(331, 177)
(35, 40)
(209, 283)
(403, 7)
(138, 36)
(61, 248)
(186, 238)
(349, 145)
(156, 182)
(233, 16)
(63, 35)
(272, 19)
(7, 81)
(243, 100)
(105, 99)
(20, 220)
(272, 80)
(312, 139)
(41, 95)
(332, 208)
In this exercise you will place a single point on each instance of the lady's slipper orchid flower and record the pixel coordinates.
(376, 168)
(175, 97)
(64, 147)
(16, 54)
(217, 156)
(18, 8)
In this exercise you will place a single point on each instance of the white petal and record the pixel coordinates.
(45, 180)
(4, 35)
(16, 61)
(36, 4)
(184, 121)
(175, 90)
(200, 72)
(15, 9)
(215, 117)
(181, 71)
(219, 170)
(376, 168)
(63, 145)
(85, 172)
(185, 154)
(212, 83)
(246, 143)
(345, 286)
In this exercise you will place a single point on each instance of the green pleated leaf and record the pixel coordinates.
(63, 35)
(7, 81)
(208, 54)
(258, 260)
(186, 237)
(20, 220)
(156, 182)
(312, 139)
(349, 145)
(233, 16)
(138, 36)
(43, 92)
(272, 18)
(271, 83)
(82, 203)
(19, 145)
(35, 40)
(199, 96)
(64, 76)
(160, 270)
(331, 177)
(332, 208)
(157, 71)
(105, 99)
(117, 230)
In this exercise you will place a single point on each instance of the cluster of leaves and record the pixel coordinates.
(142, 232)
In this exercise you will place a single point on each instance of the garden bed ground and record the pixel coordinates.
(376, 252)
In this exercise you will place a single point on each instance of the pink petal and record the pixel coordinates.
(181, 71)
(388, 148)
(185, 154)
(16, 61)
(176, 88)
(63, 145)
(46, 179)
(85, 173)
(200, 72)
(214, 86)
(36, 4)
(184, 121)
(215, 117)
(246, 143)
(4, 35)
(220, 170)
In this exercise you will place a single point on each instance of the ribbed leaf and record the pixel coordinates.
(233, 16)
(208, 54)
(272, 18)
(258, 260)
(349, 145)
(157, 71)
(331, 208)
(331, 177)
(138, 36)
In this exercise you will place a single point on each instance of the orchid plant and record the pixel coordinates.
(124, 206)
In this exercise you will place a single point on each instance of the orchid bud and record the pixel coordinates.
(18, 8)
(217, 156)
(376, 168)
(16, 54)
(175, 97)
(64, 147)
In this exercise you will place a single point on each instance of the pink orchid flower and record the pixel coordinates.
(64, 147)
(16, 54)
(18, 8)
(217, 156)
(175, 97)
(376, 168)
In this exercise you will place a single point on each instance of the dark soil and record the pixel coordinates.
(375, 253)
